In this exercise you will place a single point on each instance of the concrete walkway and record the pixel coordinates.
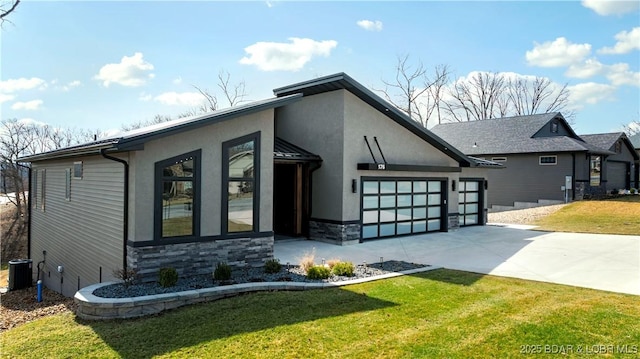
(604, 262)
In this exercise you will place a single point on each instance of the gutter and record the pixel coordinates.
(125, 210)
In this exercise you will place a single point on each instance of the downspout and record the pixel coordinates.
(28, 213)
(125, 210)
(573, 177)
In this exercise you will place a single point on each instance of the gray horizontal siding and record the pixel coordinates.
(83, 234)
(524, 180)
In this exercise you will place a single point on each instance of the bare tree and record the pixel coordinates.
(477, 98)
(486, 95)
(6, 8)
(144, 123)
(234, 94)
(19, 139)
(414, 92)
(632, 128)
(539, 95)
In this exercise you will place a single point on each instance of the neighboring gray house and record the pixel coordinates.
(325, 159)
(635, 141)
(620, 170)
(542, 155)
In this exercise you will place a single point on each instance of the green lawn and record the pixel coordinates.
(614, 216)
(442, 313)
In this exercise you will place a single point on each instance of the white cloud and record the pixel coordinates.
(177, 81)
(589, 93)
(627, 42)
(145, 97)
(71, 85)
(31, 121)
(5, 98)
(180, 99)
(370, 25)
(559, 52)
(28, 105)
(619, 74)
(589, 68)
(274, 56)
(611, 7)
(131, 71)
(13, 85)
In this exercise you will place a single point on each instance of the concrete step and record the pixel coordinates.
(524, 205)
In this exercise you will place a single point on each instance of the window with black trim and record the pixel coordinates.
(77, 170)
(618, 147)
(43, 187)
(595, 170)
(177, 204)
(548, 160)
(67, 184)
(34, 188)
(241, 179)
(499, 159)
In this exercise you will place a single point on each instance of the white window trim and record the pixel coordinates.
(548, 164)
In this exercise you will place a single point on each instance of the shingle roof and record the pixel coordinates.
(136, 138)
(608, 140)
(602, 140)
(511, 135)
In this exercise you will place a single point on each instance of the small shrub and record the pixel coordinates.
(128, 276)
(318, 272)
(168, 277)
(272, 266)
(633, 191)
(343, 269)
(308, 261)
(332, 262)
(222, 271)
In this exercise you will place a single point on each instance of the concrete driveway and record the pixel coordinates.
(604, 262)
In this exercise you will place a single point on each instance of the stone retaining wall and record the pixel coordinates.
(91, 307)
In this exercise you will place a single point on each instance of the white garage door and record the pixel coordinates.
(469, 202)
(616, 175)
(393, 207)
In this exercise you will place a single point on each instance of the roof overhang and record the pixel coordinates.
(342, 81)
(135, 140)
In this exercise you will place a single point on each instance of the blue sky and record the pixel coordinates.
(104, 64)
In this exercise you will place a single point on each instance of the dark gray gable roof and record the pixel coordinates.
(134, 139)
(511, 135)
(608, 140)
(342, 81)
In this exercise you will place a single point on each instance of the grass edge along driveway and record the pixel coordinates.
(434, 314)
(613, 216)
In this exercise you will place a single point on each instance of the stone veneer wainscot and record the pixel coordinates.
(194, 258)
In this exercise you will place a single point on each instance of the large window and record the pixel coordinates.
(595, 170)
(177, 196)
(240, 184)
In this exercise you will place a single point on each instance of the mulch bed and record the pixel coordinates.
(20, 306)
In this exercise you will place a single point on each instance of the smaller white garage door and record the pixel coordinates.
(393, 207)
(470, 202)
